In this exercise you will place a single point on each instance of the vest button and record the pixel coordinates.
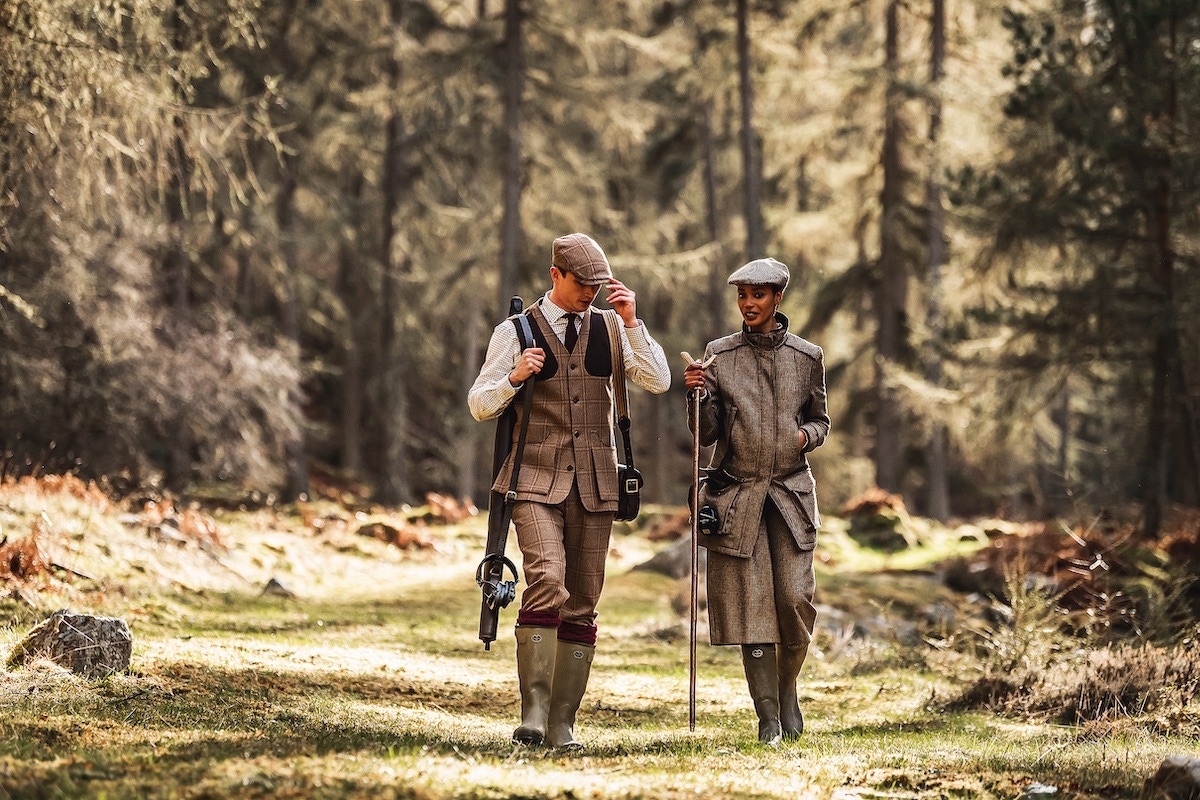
(570, 467)
(576, 434)
(572, 366)
(574, 399)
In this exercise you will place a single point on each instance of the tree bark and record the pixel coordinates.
(354, 294)
(892, 287)
(755, 234)
(471, 449)
(176, 264)
(937, 480)
(1186, 436)
(297, 464)
(514, 87)
(717, 269)
(246, 288)
(1062, 487)
(1171, 430)
(394, 481)
(1164, 362)
(285, 224)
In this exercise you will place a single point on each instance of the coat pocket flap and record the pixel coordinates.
(800, 482)
(723, 504)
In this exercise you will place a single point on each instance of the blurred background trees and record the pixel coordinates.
(265, 244)
(1091, 211)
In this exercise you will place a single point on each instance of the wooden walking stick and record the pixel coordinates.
(695, 599)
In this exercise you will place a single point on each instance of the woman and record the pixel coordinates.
(763, 406)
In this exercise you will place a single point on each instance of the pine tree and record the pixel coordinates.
(1094, 205)
(127, 119)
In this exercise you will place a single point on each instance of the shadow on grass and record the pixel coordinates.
(182, 712)
(906, 727)
(255, 732)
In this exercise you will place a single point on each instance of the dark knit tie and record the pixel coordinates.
(572, 334)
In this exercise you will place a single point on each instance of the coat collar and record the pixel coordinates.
(770, 340)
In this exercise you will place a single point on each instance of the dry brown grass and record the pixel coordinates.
(22, 560)
(1152, 687)
(369, 682)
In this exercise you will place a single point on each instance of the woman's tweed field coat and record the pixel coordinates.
(762, 390)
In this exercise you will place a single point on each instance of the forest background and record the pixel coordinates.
(262, 245)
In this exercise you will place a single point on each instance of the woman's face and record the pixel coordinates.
(757, 304)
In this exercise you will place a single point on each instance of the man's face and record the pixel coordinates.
(569, 294)
(757, 305)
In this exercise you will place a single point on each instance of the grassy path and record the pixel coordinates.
(370, 683)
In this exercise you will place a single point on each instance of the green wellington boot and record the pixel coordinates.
(572, 666)
(535, 671)
(790, 659)
(762, 676)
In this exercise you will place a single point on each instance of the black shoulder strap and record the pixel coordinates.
(524, 331)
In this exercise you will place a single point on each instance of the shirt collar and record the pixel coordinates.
(551, 312)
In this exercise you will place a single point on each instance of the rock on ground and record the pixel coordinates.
(1177, 778)
(87, 645)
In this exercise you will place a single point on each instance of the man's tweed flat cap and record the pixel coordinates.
(579, 254)
(762, 272)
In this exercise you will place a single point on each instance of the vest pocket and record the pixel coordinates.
(604, 467)
(539, 467)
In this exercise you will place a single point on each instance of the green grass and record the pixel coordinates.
(371, 683)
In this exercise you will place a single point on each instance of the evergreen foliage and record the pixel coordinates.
(1093, 213)
(240, 239)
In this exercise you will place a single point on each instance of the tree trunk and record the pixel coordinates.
(755, 234)
(394, 483)
(717, 269)
(1164, 369)
(354, 297)
(892, 287)
(177, 267)
(1184, 471)
(1167, 431)
(1062, 489)
(297, 465)
(471, 445)
(246, 290)
(937, 478)
(663, 469)
(1164, 360)
(514, 87)
(285, 223)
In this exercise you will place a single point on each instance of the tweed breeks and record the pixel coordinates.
(564, 548)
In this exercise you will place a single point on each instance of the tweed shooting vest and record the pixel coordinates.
(570, 437)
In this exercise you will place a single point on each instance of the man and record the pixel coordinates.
(567, 483)
(763, 405)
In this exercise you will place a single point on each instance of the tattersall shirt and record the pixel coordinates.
(645, 362)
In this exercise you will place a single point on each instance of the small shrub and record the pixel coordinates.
(1029, 630)
(1106, 685)
(1116, 683)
